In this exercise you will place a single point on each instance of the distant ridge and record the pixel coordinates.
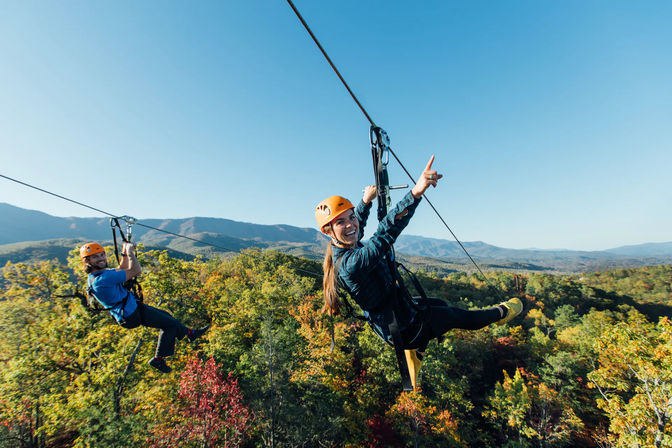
(18, 224)
(53, 237)
(644, 250)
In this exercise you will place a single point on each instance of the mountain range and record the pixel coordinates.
(29, 234)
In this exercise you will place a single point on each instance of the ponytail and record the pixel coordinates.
(332, 303)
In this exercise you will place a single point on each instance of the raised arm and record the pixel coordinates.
(129, 263)
(365, 258)
(427, 178)
(364, 207)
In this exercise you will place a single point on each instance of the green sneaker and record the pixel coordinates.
(513, 308)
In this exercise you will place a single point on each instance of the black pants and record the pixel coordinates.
(171, 328)
(439, 317)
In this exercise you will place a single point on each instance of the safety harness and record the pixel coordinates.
(399, 292)
(89, 291)
(132, 285)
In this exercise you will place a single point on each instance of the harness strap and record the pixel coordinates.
(398, 293)
(122, 302)
(416, 284)
(392, 326)
(131, 285)
(114, 223)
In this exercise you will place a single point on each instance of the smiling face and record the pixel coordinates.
(345, 228)
(97, 261)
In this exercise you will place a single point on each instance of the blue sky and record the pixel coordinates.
(549, 120)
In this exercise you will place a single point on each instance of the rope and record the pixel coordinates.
(395, 156)
(226, 249)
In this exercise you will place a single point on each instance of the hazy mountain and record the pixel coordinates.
(58, 249)
(28, 234)
(536, 259)
(18, 224)
(644, 250)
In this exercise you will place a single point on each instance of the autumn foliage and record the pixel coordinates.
(587, 365)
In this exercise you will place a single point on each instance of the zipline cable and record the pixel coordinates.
(58, 196)
(440, 217)
(368, 117)
(314, 274)
(305, 25)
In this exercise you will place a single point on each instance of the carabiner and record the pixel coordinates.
(129, 227)
(380, 140)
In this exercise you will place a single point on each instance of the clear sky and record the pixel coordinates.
(551, 120)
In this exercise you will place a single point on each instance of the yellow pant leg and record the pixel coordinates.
(413, 366)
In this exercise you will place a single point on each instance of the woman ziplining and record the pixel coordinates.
(367, 271)
(107, 286)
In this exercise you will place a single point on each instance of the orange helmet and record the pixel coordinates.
(90, 249)
(327, 210)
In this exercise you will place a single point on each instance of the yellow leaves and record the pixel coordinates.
(518, 333)
(540, 320)
(632, 375)
(318, 362)
(531, 409)
(569, 336)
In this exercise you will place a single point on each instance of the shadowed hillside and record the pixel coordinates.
(223, 236)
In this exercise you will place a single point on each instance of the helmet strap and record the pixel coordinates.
(338, 243)
(335, 241)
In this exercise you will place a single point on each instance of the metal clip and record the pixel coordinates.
(380, 140)
(129, 226)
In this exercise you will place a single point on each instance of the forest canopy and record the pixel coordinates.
(589, 364)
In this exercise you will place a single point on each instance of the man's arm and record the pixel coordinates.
(129, 263)
(124, 262)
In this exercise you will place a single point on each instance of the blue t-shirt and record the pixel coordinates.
(108, 290)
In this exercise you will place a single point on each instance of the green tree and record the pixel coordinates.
(633, 376)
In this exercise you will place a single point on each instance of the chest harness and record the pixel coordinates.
(398, 291)
(132, 285)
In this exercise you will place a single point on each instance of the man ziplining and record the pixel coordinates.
(107, 286)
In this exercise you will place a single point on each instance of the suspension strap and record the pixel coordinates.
(114, 224)
(416, 284)
(380, 153)
(131, 285)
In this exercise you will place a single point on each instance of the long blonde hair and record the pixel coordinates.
(332, 303)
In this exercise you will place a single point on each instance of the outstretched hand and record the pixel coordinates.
(428, 177)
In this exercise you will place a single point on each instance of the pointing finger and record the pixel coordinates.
(429, 164)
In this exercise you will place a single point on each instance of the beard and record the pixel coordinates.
(102, 264)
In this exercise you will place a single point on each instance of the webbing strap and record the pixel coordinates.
(122, 302)
(398, 343)
(392, 326)
(131, 285)
(114, 223)
(416, 284)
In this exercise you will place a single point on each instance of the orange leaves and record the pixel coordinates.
(318, 362)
